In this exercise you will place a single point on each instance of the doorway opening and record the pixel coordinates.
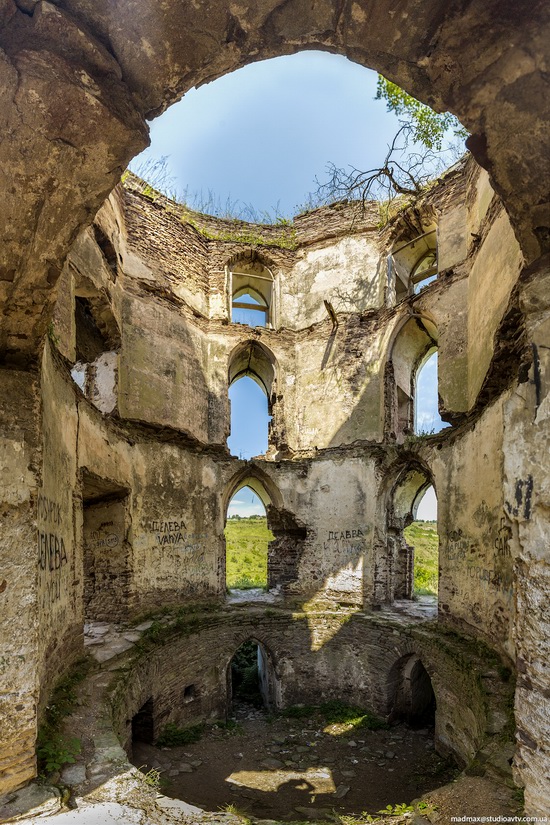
(251, 678)
(423, 537)
(411, 693)
(143, 726)
(107, 553)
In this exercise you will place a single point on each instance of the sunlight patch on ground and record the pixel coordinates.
(312, 780)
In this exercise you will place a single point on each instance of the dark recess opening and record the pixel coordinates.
(413, 695)
(90, 341)
(143, 728)
(245, 675)
(422, 708)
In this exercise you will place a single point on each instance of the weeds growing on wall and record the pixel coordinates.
(53, 749)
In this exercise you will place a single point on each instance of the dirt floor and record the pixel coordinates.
(281, 768)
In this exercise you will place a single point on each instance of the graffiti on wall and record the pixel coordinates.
(51, 550)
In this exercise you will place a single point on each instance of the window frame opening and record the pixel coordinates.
(249, 275)
(254, 592)
(417, 397)
(405, 275)
(251, 359)
(413, 343)
(401, 506)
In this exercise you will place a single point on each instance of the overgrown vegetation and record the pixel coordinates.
(338, 716)
(171, 735)
(420, 150)
(246, 552)
(422, 535)
(53, 749)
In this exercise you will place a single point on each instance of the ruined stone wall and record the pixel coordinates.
(476, 553)
(60, 581)
(136, 498)
(314, 657)
(19, 659)
(527, 505)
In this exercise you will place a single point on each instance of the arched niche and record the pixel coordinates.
(412, 343)
(411, 696)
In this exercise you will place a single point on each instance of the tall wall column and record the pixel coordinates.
(527, 502)
(19, 482)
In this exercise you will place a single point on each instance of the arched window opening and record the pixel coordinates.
(413, 544)
(414, 342)
(412, 697)
(247, 538)
(250, 419)
(96, 342)
(251, 679)
(412, 265)
(422, 536)
(251, 291)
(427, 420)
(251, 378)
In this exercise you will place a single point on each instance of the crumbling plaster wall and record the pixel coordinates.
(60, 581)
(330, 499)
(476, 554)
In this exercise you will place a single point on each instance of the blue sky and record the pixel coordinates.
(261, 136)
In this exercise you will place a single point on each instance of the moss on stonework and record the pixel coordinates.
(286, 239)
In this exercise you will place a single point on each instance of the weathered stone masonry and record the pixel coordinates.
(143, 444)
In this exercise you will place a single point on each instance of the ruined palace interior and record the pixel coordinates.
(118, 350)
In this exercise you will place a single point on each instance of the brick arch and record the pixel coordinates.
(79, 85)
(257, 480)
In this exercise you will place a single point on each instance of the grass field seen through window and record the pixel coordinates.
(246, 554)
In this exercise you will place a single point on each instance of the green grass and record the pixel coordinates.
(246, 552)
(338, 716)
(422, 535)
(171, 735)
